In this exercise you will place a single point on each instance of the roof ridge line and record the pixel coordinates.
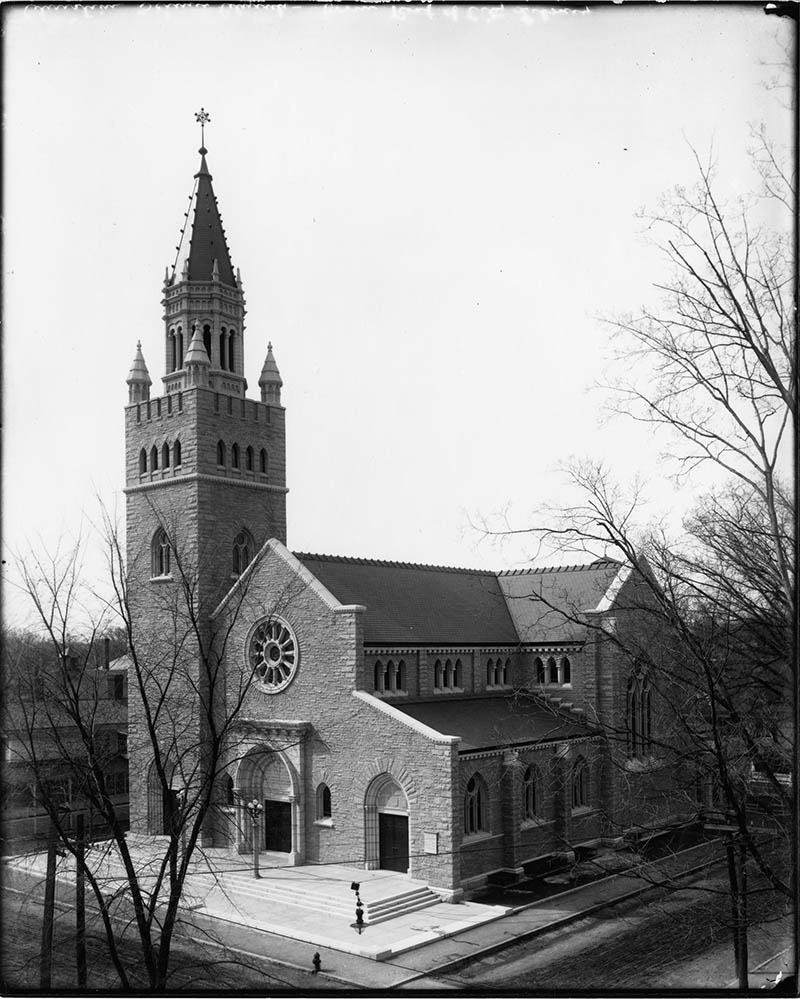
(358, 560)
(598, 563)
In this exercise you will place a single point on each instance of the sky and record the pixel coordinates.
(432, 209)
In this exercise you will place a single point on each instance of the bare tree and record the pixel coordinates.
(184, 709)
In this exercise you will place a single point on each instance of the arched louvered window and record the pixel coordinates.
(176, 453)
(262, 464)
(475, 805)
(173, 351)
(323, 802)
(180, 347)
(235, 456)
(165, 456)
(539, 666)
(222, 352)
(153, 458)
(530, 791)
(580, 783)
(207, 339)
(162, 553)
(552, 669)
(142, 461)
(248, 459)
(220, 453)
(230, 350)
(242, 552)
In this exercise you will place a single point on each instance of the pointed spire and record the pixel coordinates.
(197, 362)
(138, 378)
(270, 380)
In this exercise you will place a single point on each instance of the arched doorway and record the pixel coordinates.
(264, 776)
(386, 813)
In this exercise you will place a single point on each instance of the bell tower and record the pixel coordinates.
(205, 464)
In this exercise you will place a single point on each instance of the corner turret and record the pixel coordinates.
(139, 378)
(270, 380)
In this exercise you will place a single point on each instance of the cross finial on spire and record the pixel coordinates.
(203, 117)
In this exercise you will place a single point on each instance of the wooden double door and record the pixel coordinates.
(278, 826)
(393, 842)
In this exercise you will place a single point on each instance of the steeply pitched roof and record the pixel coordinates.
(426, 604)
(205, 241)
(542, 601)
(493, 722)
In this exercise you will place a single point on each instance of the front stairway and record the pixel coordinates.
(384, 894)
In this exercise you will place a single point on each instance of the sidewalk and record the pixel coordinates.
(229, 911)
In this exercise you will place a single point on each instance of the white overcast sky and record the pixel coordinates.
(430, 207)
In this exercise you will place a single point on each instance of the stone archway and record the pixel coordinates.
(386, 832)
(265, 775)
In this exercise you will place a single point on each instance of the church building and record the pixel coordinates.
(462, 726)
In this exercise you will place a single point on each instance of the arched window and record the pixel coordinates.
(235, 456)
(173, 350)
(449, 674)
(378, 685)
(142, 461)
(552, 669)
(248, 459)
(222, 351)
(230, 351)
(401, 675)
(165, 456)
(638, 716)
(162, 553)
(459, 674)
(207, 339)
(580, 783)
(153, 458)
(438, 675)
(530, 792)
(323, 802)
(490, 674)
(475, 801)
(537, 662)
(504, 672)
(263, 466)
(176, 453)
(229, 795)
(242, 552)
(220, 453)
(180, 346)
(566, 670)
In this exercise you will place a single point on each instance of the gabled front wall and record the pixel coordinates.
(350, 740)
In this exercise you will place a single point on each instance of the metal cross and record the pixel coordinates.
(202, 116)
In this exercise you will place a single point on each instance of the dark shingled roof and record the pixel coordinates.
(428, 604)
(493, 722)
(206, 238)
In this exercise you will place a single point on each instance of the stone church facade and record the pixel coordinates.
(458, 725)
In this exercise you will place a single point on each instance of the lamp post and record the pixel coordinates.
(254, 810)
(359, 923)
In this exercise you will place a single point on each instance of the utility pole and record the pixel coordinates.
(80, 902)
(46, 957)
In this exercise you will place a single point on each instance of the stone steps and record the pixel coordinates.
(336, 900)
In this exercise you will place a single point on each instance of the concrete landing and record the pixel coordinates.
(224, 889)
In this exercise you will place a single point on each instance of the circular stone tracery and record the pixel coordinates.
(273, 655)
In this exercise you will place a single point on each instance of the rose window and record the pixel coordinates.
(273, 655)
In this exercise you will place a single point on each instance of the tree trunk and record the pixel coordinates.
(80, 904)
(46, 957)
